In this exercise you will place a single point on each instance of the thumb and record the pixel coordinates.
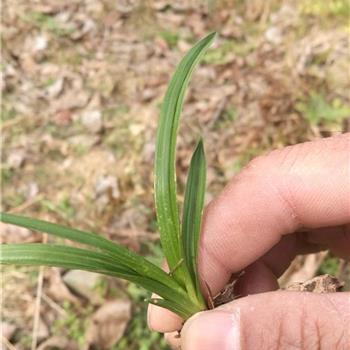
(274, 320)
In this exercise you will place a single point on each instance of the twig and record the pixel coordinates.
(218, 111)
(265, 13)
(5, 341)
(343, 264)
(60, 310)
(38, 303)
(210, 296)
(11, 122)
(26, 204)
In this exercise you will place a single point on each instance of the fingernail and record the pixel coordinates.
(212, 330)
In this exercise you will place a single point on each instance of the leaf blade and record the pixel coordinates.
(37, 254)
(184, 313)
(165, 177)
(123, 255)
(58, 255)
(192, 211)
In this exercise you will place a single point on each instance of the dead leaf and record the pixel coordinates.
(302, 268)
(57, 342)
(108, 324)
(254, 9)
(84, 284)
(57, 290)
(63, 117)
(16, 158)
(319, 284)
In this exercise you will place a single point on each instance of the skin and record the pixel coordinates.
(291, 201)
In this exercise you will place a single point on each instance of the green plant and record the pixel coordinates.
(46, 22)
(71, 325)
(180, 288)
(329, 265)
(316, 110)
(339, 9)
(170, 37)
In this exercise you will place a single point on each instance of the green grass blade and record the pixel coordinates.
(119, 253)
(178, 309)
(60, 256)
(37, 254)
(192, 211)
(165, 177)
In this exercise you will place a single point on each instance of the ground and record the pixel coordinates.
(81, 90)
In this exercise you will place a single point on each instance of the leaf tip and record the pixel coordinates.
(200, 146)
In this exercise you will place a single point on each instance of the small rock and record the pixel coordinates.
(32, 190)
(148, 94)
(14, 234)
(84, 284)
(16, 158)
(85, 141)
(56, 88)
(108, 324)
(92, 120)
(136, 129)
(273, 35)
(107, 185)
(148, 151)
(40, 43)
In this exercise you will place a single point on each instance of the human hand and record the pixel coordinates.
(291, 201)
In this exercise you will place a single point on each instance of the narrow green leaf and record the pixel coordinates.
(37, 254)
(122, 255)
(192, 211)
(178, 309)
(165, 176)
(61, 256)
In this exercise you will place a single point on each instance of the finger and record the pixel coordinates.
(162, 320)
(173, 339)
(274, 320)
(257, 278)
(302, 186)
(279, 257)
(337, 239)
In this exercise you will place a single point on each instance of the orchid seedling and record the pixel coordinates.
(179, 290)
